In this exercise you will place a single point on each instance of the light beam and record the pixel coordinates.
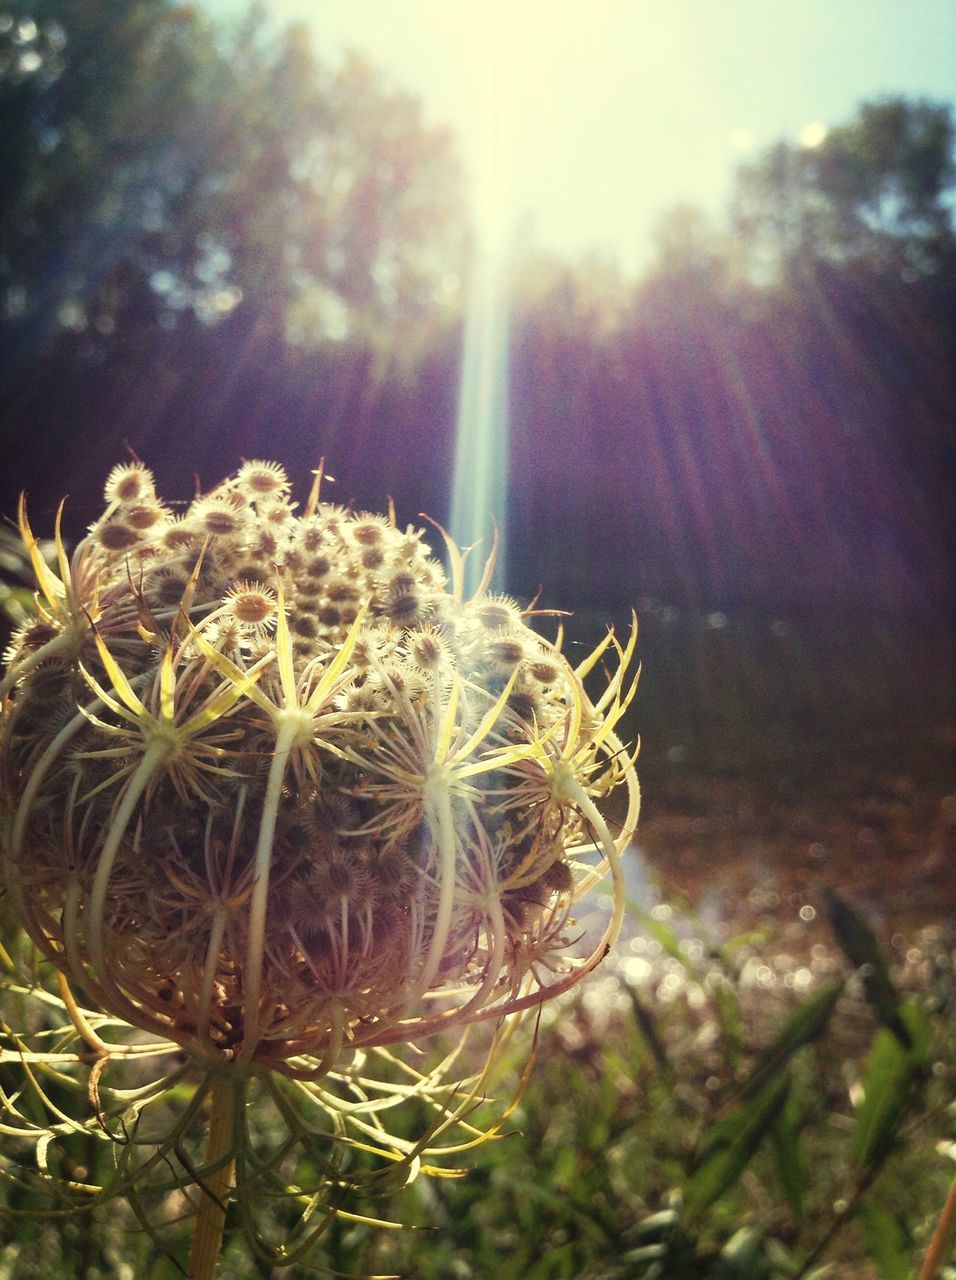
(500, 47)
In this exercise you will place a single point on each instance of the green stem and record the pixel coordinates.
(215, 1189)
(139, 780)
(439, 813)
(210, 968)
(289, 730)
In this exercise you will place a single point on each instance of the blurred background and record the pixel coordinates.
(666, 290)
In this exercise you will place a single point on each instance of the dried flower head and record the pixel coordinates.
(294, 820)
(251, 604)
(129, 482)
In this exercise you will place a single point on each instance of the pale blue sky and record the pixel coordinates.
(589, 117)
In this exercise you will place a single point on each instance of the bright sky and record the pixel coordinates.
(588, 118)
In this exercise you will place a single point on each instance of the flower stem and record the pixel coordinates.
(259, 903)
(207, 1239)
(439, 813)
(939, 1245)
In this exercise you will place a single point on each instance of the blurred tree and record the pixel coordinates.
(688, 250)
(157, 173)
(874, 193)
(95, 98)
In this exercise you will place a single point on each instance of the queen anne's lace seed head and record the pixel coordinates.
(262, 479)
(251, 604)
(277, 795)
(128, 483)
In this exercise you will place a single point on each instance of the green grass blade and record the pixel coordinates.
(805, 1025)
(733, 1144)
(886, 1242)
(786, 1146)
(888, 1082)
(862, 949)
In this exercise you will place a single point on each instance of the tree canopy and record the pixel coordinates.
(875, 192)
(157, 171)
(214, 245)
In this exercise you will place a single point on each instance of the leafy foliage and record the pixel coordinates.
(873, 193)
(161, 171)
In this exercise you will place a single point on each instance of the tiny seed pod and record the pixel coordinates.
(129, 482)
(115, 536)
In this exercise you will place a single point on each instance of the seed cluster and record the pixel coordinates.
(276, 791)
